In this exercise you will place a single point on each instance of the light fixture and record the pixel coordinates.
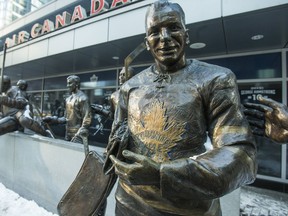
(257, 37)
(115, 57)
(198, 45)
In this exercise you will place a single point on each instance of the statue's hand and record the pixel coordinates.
(270, 118)
(276, 120)
(50, 119)
(99, 109)
(96, 108)
(140, 170)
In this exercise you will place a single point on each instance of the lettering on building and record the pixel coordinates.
(64, 19)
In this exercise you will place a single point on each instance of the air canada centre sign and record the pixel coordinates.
(64, 19)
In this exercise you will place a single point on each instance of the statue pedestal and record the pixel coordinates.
(230, 203)
(39, 168)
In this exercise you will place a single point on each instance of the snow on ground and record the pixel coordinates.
(255, 201)
(11, 204)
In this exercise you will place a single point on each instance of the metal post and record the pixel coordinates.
(3, 65)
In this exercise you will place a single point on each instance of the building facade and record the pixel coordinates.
(92, 39)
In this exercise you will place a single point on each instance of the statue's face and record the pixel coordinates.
(122, 77)
(6, 84)
(166, 36)
(71, 85)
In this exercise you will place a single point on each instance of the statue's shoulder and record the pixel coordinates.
(81, 96)
(209, 71)
(12, 91)
(142, 78)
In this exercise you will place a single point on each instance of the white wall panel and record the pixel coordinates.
(91, 34)
(20, 55)
(127, 24)
(8, 60)
(61, 43)
(196, 10)
(38, 50)
(231, 7)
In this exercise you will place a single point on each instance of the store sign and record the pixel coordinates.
(64, 19)
(255, 92)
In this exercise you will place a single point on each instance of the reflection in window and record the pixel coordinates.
(253, 66)
(98, 79)
(100, 126)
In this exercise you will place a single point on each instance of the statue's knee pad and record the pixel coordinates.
(25, 121)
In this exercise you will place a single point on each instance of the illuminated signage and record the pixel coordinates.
(64, 19)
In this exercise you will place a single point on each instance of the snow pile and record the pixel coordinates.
(256, 201)
(11, 204)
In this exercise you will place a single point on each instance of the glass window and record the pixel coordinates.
(269, 153)
(54, 104)
(101, 126)
(55, 83)
(34, 85)
(35, 101)
(253, 66)
(54, 101)
(268, 157)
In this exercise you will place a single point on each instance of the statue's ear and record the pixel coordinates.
(147, 45)
(187, 36)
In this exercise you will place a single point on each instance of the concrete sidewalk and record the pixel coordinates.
(262, 202)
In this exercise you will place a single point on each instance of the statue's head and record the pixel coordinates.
(6, 83)
(73, 83)
(122, 77)
(166, 33)
(22, 85)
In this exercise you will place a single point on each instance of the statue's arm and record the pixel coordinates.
(231, 162)
(86, 113)
(19, 102)
(209, 176)
(100, 110)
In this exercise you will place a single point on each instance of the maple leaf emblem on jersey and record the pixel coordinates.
(157, 131)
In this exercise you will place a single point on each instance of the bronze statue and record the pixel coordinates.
(99, 109)
(156, 146)
(77, 115)
(87, 195)
(16, 110)
(269, 118)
